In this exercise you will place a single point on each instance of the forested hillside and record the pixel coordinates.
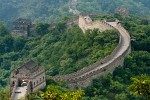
(63, 50)
(60, 50)
(52, 10)
(116, 86)
(137, 7)
(37, 10)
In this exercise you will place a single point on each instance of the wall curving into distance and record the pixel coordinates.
(83, 77)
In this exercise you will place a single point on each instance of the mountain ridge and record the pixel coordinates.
(50, 11)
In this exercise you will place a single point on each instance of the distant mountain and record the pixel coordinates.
(37, 10)
(52, 10)
(138, 7)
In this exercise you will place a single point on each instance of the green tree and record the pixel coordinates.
(141, 86)
(3, 30)
(42, 28)
(57, 93)
(8, 42)
(121, 96)
(4, 94)
(60, 27)
(19, 43)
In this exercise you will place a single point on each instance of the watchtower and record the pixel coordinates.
(28, 78)
(21, 27)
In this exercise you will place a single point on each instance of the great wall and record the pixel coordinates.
(26, 79)
(83, 77)
(73, 7)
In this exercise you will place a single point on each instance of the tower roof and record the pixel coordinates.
(28, 67)
(22, 21)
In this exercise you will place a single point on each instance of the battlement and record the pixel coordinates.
(84, 77)
(21, 27)
(85, 22)
(28, 78)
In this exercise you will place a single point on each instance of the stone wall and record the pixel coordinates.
(34, 82)
(40, 86)
(39, 81)
(101, 25)
(107, 65)
(22, 33)
(13, 90)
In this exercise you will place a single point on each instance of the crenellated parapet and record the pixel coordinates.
(85, 22)
(26, 79)
(84, 77)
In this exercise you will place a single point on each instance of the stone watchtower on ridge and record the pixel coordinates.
(28, 78)
(21, 27)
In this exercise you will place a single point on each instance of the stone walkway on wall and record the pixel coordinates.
(20, 92)
(83, 77)
(124, 46)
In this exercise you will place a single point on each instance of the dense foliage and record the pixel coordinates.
(4, 94)
(58, 93)
(138, 7)
(63, 50)
(116, 86)
(37, 10)
(9, 51)
(59, 49)
(141, 86)
(67, 50)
